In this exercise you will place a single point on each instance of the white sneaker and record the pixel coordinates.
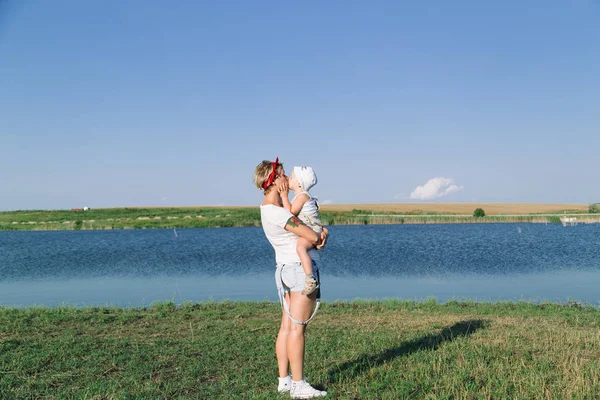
(284, 384)
(302, 390)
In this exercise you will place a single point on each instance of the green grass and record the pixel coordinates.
(129, 218)
(213, 217)
(341, 219)
(358, 350)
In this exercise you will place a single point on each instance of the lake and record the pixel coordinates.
(486, 262)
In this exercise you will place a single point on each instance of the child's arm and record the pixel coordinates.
(285, 202)
(284, 194)
(299, 202)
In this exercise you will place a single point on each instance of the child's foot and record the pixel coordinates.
(310, 285)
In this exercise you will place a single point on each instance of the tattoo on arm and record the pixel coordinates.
(294, 222)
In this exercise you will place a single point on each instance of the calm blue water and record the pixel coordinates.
(136, 267)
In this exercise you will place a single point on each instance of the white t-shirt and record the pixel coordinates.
(273, 220)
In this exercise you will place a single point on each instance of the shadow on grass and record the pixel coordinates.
(365, 362)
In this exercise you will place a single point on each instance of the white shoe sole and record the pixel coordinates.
(308, 396)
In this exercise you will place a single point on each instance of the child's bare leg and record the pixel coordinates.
(302, 248)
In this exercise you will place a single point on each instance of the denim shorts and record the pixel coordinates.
(292, 276)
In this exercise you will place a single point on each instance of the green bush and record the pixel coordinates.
(594, 208)
(478, 213)
(77, 225)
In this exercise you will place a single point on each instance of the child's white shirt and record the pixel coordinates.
(309, 214)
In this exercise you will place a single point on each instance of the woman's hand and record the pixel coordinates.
(324, 236)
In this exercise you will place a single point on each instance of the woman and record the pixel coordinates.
(282, 229)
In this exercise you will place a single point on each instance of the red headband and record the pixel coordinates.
(271, 177)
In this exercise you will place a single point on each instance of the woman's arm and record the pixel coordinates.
(298, 228)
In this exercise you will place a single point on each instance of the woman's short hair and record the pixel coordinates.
(263, 170)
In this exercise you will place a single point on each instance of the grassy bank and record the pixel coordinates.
(205, 217)
(361, 350)
(462, 208)
(129, 218)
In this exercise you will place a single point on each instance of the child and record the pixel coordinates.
(305, 207)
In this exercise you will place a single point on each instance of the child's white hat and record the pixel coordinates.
(306, 177)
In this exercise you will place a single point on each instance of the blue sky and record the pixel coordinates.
(133, 103)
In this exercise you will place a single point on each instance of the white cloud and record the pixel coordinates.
(326, 202)
(435, 188)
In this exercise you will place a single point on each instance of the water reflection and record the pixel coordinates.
(559, 286)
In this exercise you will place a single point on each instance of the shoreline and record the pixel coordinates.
(217, 217)
(427, 302)
(131, 224)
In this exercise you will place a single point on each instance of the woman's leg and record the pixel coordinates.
(282, 339)
(301, 307)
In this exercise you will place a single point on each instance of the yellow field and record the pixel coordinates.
(461, 208)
